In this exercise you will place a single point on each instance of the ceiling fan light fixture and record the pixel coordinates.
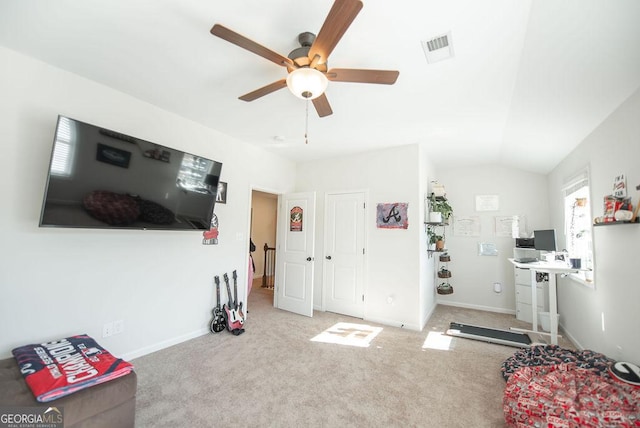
(307, 83)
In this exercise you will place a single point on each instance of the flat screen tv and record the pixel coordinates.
(99, 178)
(544, 240)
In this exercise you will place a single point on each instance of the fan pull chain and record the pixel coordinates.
(306, 125)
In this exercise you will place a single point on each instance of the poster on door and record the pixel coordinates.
(295, 219)
(392, 215)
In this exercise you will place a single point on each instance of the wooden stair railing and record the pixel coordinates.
(268, 275)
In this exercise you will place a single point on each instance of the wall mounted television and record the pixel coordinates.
(99, 178)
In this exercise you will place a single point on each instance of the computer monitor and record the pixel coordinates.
(544, 240)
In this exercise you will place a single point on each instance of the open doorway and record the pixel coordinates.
(264, 211)
(288, 220)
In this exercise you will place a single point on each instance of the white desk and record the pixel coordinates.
(551, 268)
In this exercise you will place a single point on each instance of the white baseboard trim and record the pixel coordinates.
(164, 344)
(392, 323)
(571, 338)
(428, 316)
(478, 307)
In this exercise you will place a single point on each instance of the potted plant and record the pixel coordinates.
(436, 240)
(439, 205)
(444, 273)
(444, 288)
(432, 241)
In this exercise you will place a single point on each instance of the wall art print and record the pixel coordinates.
(221, 195)
(392, 215)
(295, 219)
(210, 237)
(113, 156)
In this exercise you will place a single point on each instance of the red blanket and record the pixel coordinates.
(55, 369)
(565, 395)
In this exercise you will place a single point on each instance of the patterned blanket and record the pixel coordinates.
(565, 395)
(55, 369)
(549, 355)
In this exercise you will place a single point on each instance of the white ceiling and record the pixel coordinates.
(528, 82)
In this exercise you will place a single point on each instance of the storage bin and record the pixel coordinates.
(545, 320)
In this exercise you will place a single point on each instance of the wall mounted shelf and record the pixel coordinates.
(616, 223)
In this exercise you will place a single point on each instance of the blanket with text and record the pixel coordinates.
(55, 369)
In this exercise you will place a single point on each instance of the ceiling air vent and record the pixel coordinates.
(438, 48)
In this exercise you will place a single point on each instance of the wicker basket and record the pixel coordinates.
(444, 273)
(444, 288)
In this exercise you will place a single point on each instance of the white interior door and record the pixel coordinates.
(344, 254)
(295, 259)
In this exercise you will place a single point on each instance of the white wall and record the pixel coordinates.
(520, 193)
(59, 282)
(607, 318)
(393, 262)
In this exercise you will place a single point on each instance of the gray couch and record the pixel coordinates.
(110, 405)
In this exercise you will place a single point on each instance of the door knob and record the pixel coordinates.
(308, 259)
(328, 257)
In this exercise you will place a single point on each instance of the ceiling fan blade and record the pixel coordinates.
(385, 77)
(265, 90)
(248, 44)
(322, 106)
(340, 17)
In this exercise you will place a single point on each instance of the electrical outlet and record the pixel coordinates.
(118, 326)
(107, 329)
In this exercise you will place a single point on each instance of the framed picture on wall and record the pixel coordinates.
(392, 215)
(487, 202)
(113, 156)
(221, 196)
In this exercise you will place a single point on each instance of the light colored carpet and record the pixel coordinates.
(273, 375)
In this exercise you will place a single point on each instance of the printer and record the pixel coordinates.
(524, 243)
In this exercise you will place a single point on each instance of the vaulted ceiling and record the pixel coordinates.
(529, 80)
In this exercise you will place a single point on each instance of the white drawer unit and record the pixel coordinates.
(523, 295)
(523, 301)
(524, 312)
(523, 276)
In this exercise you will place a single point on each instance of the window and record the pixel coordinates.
(193, 175)
(578, 225)
(63, 150)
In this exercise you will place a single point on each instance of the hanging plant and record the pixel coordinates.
(572, 226)
(444, 288)
(444, 273)
(438, 204)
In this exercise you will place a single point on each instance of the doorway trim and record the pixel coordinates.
(279, 194)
